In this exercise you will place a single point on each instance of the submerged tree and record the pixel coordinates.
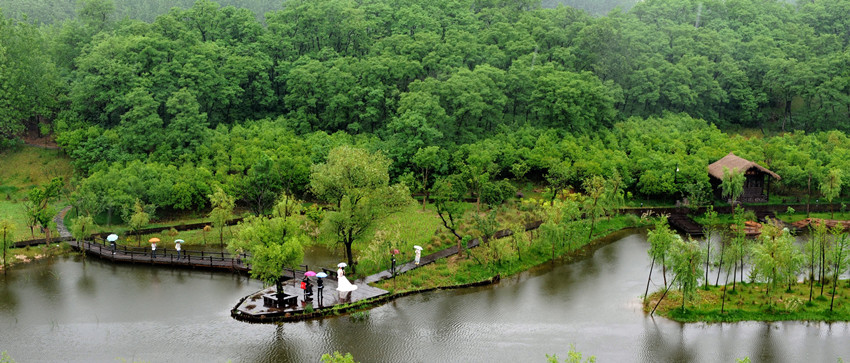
(812, 248)
(660, 239)
(686, 259)
(775, 257)
(839, 258)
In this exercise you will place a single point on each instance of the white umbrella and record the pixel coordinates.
(178, 241)
(112, 237)
(417, 248)
(342, 264)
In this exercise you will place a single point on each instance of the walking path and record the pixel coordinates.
(252, 308)
(59, 219)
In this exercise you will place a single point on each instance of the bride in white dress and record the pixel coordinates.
(342, 282)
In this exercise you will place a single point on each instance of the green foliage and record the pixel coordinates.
(271, 243)
(82, 227)
(7, 230)
(337, 357)
(6, 358)
(358, 183)
(39, 209)
(775, 259)
(732, 184)
(222, 211)
(573, 356)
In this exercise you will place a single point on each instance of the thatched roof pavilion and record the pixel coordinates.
(755, 188)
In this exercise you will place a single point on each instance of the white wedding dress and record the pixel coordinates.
(342, 283)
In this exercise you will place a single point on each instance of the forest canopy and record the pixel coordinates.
(212, 96)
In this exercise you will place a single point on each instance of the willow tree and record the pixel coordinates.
(660, 239)
(138, 220)
(593, 206)
(830, 187)
(839, 257)
(732, 185)
(775, 257)
(357, 181)
(271, 244)
(686, 258)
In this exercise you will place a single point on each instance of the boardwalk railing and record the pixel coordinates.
(165, 256)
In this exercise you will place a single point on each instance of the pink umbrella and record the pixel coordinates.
(310, 273)
(395, 251)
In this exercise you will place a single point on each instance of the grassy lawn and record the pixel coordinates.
(481, 266)
(750, 303)
(22, 169)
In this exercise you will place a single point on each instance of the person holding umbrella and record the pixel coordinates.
(320, 285)
(112, 238)
(418, 254)
(177, 243)
(153, 242)
(308, 286)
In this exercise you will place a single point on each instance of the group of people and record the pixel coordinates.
(343, 286)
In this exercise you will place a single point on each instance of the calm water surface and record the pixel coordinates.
(66, 311)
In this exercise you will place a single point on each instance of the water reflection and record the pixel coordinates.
(103, 312)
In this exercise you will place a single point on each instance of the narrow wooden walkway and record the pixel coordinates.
(188, 259)
(682, 223)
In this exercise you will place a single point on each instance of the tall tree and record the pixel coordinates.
(660, 239)
(732, 185)
(7, 228)
(448, 200)
(357, 181)
(428, 160)
(40, 200)
(222, 210)
(830, 187)
(594, 188)
(138, 219)
(686, 258)
(271, 244)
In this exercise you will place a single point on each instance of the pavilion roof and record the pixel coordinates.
(735, 162)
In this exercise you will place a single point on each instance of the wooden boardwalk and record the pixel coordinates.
(252, 309)
(682, 223)
(187, 259)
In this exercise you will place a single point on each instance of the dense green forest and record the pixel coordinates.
(475, 90)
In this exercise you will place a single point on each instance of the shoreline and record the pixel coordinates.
(336, 310)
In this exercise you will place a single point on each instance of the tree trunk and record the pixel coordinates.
(822, 264)
(707, 254)
(835, 279)
(648, 279)
(720, 266)
(809, 195)
(812, 275)
(350, 258)
(734, 273)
